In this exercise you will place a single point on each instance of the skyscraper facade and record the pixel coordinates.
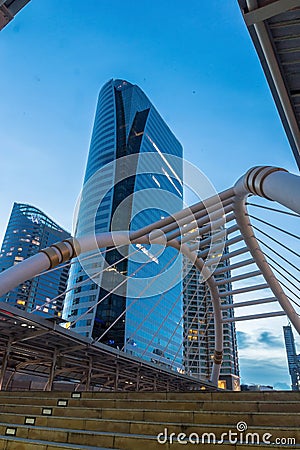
(28, 231)
(292, 357)
(199, 336)
(133, 177)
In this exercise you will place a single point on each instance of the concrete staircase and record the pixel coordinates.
(133, 420)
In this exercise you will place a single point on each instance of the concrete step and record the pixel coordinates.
(14, 443)
(33, 394)
(180, 396)
(138, 427)
(204, 417)
(186, 405)
(183, 405)
(274, 419)
(61, 435)
(58, 438)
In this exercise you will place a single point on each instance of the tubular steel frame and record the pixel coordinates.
(184, 227)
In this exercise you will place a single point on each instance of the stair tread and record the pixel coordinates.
(204, 411)
(152, 400)
(68, 430)
(136, 436)
(289, 396)
(185, 424)
(54, 444)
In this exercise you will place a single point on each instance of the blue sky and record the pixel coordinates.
(194, 60)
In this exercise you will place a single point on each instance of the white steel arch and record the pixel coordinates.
(180, 232)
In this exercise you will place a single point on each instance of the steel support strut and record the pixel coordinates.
(268, 182)
(274, 184)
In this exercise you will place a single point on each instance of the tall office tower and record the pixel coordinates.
(292, 357)
(133, 177)
(199, 340)
(28, 231)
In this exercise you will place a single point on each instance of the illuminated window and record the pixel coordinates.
(21, 302)
(222, 384)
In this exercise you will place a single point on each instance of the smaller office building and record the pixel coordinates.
(28, 231)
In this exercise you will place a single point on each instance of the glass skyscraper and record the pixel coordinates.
(28, 231)
(133, 177)
(292, 357)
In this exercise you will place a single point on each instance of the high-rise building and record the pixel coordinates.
(28, 231)
(199, 337)
(292, 357)
(133, 177)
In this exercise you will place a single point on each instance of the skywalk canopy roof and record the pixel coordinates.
(274, 26)
(8, 9)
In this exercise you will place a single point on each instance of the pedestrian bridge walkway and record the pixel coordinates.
(247, 262)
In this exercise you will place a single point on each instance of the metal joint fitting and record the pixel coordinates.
(255, 178)
(218, 356)
(74, 244)
(63, 249)
(52, 256)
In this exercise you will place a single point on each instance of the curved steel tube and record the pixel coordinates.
(274, 184)
(269, 182)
